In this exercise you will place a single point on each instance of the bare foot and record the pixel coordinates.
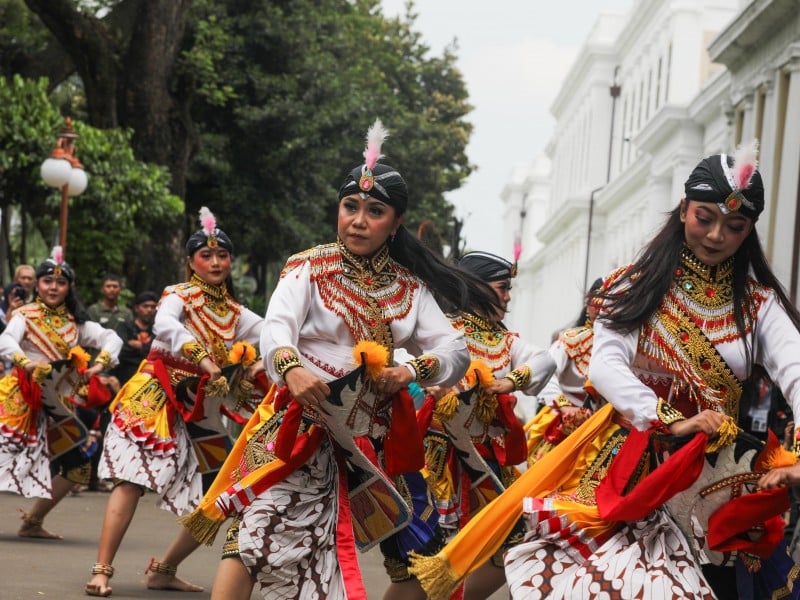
(32, 530)
(98, 586)
(162, 581)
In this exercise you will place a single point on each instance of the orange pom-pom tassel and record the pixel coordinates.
(775, 455)
(374, 356)
(242, 352)
(78, 357)
(479, 372)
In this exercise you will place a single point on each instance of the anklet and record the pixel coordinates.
(103, 569)
(161, 568)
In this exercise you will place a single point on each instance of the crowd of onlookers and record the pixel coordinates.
(134, 325)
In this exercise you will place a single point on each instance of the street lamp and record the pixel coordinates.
(64, 171)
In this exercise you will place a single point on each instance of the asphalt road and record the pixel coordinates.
(59, 569)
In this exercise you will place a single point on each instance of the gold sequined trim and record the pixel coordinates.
(104, 358)
(194, 352)
(426, 367)
(20, 360)
(285, 358)
(520, 377)
(562, 401)
(667, 413)
(597, 471)
(436, 445)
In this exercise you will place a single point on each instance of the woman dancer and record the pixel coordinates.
(147, 444)
(680, 331)
(506, 364)
(49, 329)
(293, 537)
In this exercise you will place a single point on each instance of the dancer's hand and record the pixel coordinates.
(707, 421)
(308, 389)
(95, 369)
(253, 370)
(781, 476)
(209, 366)
(392, 379)
(500, 386)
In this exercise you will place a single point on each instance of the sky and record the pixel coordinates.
(513, 55)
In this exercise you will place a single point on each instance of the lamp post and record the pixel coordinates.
(64, 171)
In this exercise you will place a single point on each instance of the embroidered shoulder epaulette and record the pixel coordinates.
(324, 258)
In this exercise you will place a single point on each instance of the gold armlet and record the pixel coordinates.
(104, 358)
(667, 413)
(194, 352)
(20, 360)
(285, 359)
(796, 445)
(426, 367)
(562, 401)
(520, 377)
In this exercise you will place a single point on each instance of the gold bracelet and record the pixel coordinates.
(104, 358)
(194, 352)
(667, 413)
(425, 367)
(562, 401)
(20, 360)
(285, 358)
(520, 377)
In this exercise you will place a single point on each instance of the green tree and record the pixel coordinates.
(258, 108)
(125, 200)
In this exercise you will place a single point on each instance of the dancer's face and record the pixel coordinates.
(502, 290)
(212, 265)
(711, 235)
(53, 289)
(365, 224)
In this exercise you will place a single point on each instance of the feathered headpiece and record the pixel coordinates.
(208, 234)
(375, 179)
(376, 135)
(731, 182)
(56, 265)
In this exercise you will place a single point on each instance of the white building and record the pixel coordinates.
(650, 94)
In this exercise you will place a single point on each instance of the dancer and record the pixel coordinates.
(294, 529)
(42, 332)
(567, 402)
(679, 331)
(471, 447)
(147, 444)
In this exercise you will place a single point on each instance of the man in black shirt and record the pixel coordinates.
(137, 335)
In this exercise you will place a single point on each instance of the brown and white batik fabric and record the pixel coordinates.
(644, 560)
(174, 476)
(25, 467)
(287, 536)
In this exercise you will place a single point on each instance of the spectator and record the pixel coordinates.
(137, 335)
(106, 311)
(26, 275)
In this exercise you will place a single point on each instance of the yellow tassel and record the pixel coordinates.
(726, 434)
(434, 575)
(446, 406)
(242, 352)
(217, 388)
(41, 373)
(487, 407)
(202, 527)
(373, 355)
(480, 373)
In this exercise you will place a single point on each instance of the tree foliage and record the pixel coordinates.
(258, 108)
(125, 202)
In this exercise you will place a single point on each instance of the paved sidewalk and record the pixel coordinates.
(58, 570)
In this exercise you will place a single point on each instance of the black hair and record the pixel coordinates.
(112, 277)
(583, 317)
(638, 293)
(455, 289)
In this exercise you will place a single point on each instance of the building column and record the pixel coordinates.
(787, 193)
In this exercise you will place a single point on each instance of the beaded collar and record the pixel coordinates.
(708, 286)
(58, 311)
(369, 272)
(218, 292)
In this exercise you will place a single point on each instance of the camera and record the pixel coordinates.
(18, 292)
